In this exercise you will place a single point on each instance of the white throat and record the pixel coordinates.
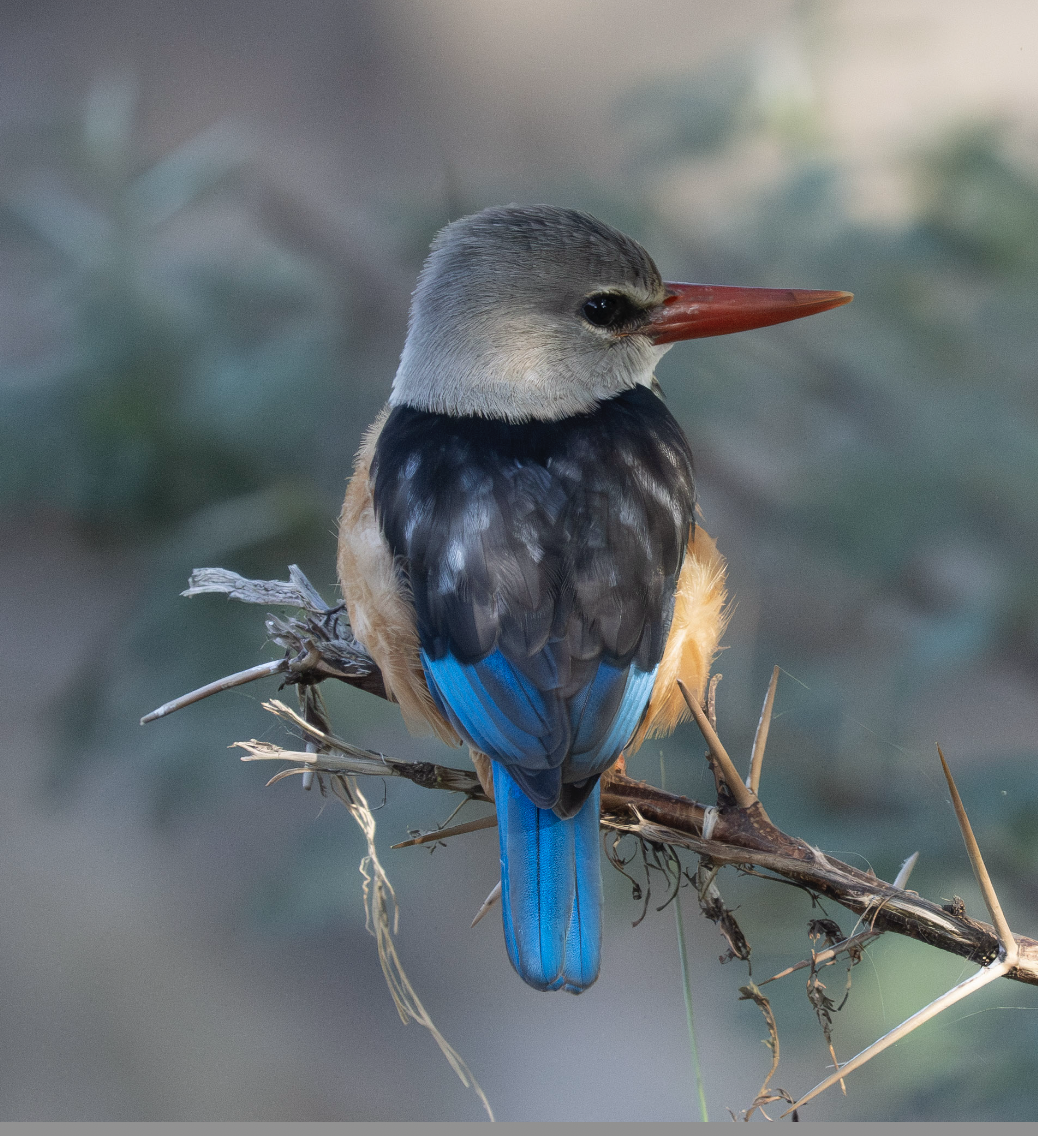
(518, 373)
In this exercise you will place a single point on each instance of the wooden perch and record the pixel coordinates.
(320, 645)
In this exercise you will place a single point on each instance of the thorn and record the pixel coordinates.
(710, 815)
(276, 666)
(443, 833)
(743, 797)
(711, 699)
(282, 775)
(308, 774)
(488, 903)
(457, 809)
(760, 738)
(906, 870)
(1009, 947)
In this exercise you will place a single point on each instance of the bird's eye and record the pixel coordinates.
(608, 310)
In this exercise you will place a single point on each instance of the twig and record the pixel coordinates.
(713, 907)
(824, 1008)
(711, 698)
(264, 670)
(380, 905)
(311, 729)
(443, 833)
(369, 764)
(861, 939)
(297, 592)
(903, 912)
(379, 897)
(454, 812)
(319, 647)
(751, 993)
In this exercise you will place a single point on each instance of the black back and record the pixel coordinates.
(514, 535)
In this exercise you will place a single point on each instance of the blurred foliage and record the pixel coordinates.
(889, 473)
(980, 203)
(182, 375)
(172, 410)
(690, 116)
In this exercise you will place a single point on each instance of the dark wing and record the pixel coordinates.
(542, 558)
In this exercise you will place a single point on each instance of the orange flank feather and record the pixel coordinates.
(377, 600)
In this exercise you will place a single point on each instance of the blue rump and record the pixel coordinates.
(527, 726)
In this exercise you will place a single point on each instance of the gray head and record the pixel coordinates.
(500, 321)
(537, 312)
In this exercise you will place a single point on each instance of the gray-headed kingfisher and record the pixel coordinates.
(518, 550)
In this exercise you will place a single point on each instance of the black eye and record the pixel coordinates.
(608, 309)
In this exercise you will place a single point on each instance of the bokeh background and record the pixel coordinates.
(211, 217)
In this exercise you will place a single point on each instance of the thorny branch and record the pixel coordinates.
(324, 642)
(736, 831)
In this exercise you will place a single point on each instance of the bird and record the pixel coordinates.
(518, 546)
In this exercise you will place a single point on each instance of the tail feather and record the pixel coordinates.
(551, 888)
(584, 937)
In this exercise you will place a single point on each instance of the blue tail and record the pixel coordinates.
(551, 888)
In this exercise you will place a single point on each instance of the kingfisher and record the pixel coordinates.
(518, 549)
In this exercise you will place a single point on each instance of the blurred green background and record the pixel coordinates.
(211, 217)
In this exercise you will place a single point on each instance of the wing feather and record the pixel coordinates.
(542, 559)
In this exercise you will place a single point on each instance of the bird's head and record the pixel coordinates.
(536, 312)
